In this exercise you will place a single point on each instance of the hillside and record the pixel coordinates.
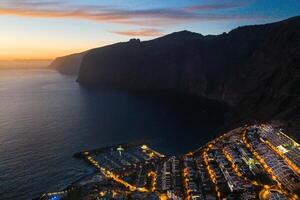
(255, 69)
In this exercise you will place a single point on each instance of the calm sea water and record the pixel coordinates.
(45, 117)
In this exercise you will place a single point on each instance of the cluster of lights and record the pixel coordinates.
(211, 173)
(264, 194)
(154, 179)
(236, 170)
(286, 160)
(185, 184)
(260, 160)
(268, 170)
(151, 152)
(230, 160)
(115, 177)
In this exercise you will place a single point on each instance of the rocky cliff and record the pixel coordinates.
(255, 69)
(69, 64)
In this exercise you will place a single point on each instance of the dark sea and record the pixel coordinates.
(46, 117)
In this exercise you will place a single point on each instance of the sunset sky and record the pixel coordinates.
(44, 29)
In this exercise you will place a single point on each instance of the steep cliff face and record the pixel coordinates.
(272, 76)
(183, 62)
(255, 69)
(69, 64)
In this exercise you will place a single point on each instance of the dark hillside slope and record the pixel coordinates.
(272, 76)
(255, 69)
(182, 62)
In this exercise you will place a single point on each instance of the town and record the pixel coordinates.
(251, 162)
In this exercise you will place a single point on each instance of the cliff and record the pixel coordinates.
(69, 64)
(255, 69)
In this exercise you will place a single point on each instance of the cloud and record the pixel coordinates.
(146, 32)
(112, 14)
(217, 6)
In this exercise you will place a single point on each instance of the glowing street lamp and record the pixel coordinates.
(120, 149)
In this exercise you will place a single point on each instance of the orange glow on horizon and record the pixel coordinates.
(35, 54)
(36, 46)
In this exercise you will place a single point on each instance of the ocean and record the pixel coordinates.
(46, 117)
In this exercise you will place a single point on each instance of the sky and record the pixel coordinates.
(45, 29)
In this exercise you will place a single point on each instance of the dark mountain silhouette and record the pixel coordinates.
(69, 64)
(254, 69)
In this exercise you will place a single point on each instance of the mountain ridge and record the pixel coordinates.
(254, 69)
